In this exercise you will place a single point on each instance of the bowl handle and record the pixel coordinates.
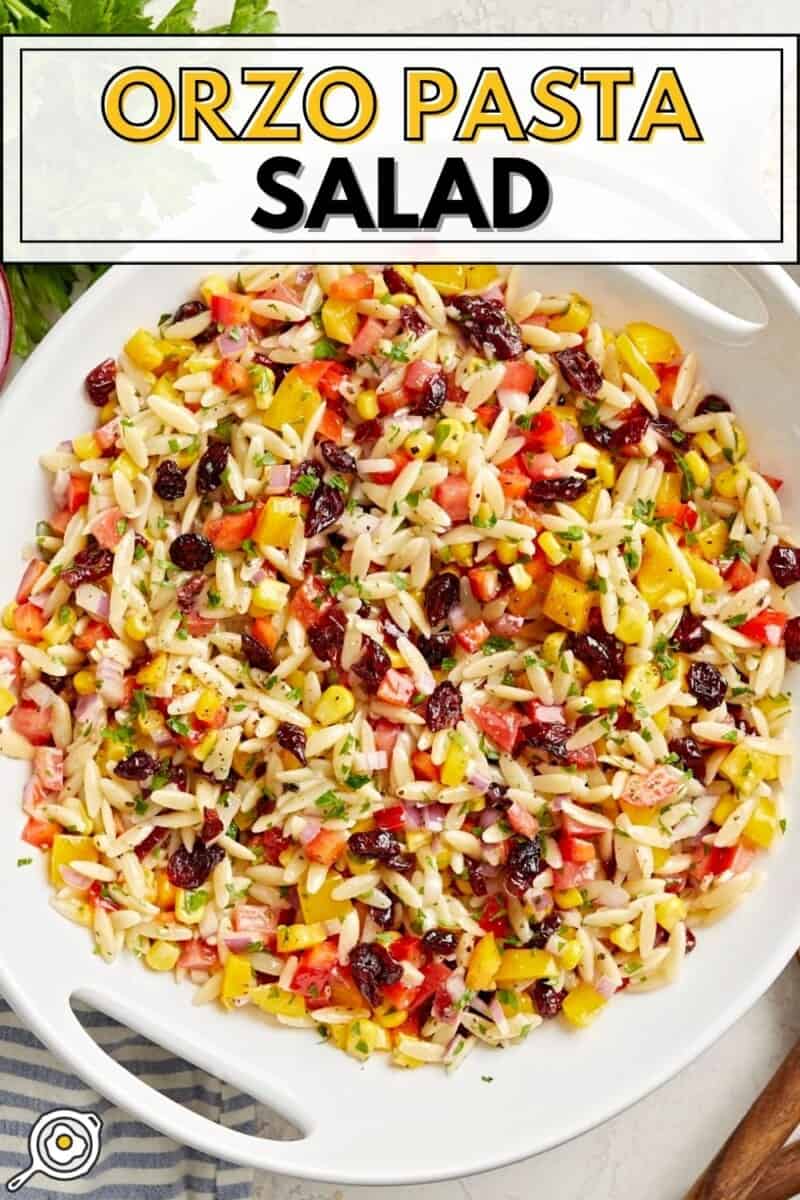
(716, 323)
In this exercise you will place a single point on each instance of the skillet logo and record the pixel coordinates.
(63, 1144)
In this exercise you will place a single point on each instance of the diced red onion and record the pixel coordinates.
(93, 600)
(493, 292)
(237, 942)
(90, 710)
(65, 446)
(229, 346)
(32, 795)
(60, 488)
(258, 576)
(41, 695)
(413, 816)
(455, 986)
(549, 714)
(112, 680)
(557, 801)
(508, 625)
(279, 479)
(375, 466)
(609, 894)
(489, 816)
(544, 466)
(108, 435)
(605, 986)
(513, 400)
(161, 735)
(481, 783)
(433, 817)
(40, 600)
(74, 879)
(569, 433)
(458, 617)
(499, 1017)
(303, 275)
(310, 830)
(540, 902)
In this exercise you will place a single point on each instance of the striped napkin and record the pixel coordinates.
(135, 1162)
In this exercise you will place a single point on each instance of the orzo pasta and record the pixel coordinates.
(403, 656)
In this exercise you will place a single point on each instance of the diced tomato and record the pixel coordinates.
(312, 373)
(574, 874)
(501, 726)
(386, 734)
(472, 636)
(399, 458)
(310, 601)
(655, 788)
(584, 758)
(231, 376)
(33, 795)
(766, 628)
(230, 309)
(29, 621)
(77, 493)
(264, 632)
(575, 828)
(540, 466)
(740, 575)
(726, 858)
(344, 993)
(322, 957)
(549, 714)
(418, 373)
(485, 582)
(253, 918)
(367, 338)
(98, 896)
(274, 844)
(668, 375)
(392, 402)
(60, 520)
(32, 572)
(106, 435)
(408, 949)
(774, 482)
(539, 319)
(393, 817)
(494, 918)
(575, 849)
(453, 496)
(423, 766)
(487, 414)
(436, 974)
(398, 996)
(198, 626)
(519, 377)
(110, 527)
(231, 529)
(331, 426)
(331, 382)
(48, 767)
(326, 846)
(94, 632)
(357, 286)
(685, 516)
(396, 688)
(521, 821)
(197, 955)
(513, 480)
(313, 975)
(546, 432)
(39, 833)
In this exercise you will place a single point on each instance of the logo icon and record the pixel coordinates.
(63, 1144)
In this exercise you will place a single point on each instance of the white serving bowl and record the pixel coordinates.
(372, 1124)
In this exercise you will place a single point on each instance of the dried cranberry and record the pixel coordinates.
(372, 665)
(212, 825)
(187, 593)
(440, 941)
(568, 487)
(442, 592)
(211, 467)
(550, 736)
(100, 381)
(712, 404)
(598, 435)
(190, 869)
(153, 839)
(633, 428)
(256, 653)
(477, 878)
(691, 940)
(178, 777)
(394, 281)
(383, 917)
(367, 431)
(601, 652)
(191, 308)
(326, 638)
(522, 864)
(784, 563)
(443, 710)
(56, 683)
(486, 323)
(139, 765)
(791, 639)
(497, 795)
(433, 395)
(668, 429)
(337, 457)
(324, 509)
(548, 1000)
(412, 321)
(306, 467)
(292, 738)
(89, 565)
(689, 634)
(706, 684)
(544, 931)
(381, 844)
(170, 481)
(690, 755)
(191, 551)
(373, 969)
(390, 631)
(436, 648)
(580, 371)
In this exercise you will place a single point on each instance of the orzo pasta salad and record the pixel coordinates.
(402, 656)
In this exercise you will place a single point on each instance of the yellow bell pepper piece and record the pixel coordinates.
(746, 768)
(58, 629)
(762, 828)
(86, 446)
(162, 956)
(625, 936)
(7, 701)
(723, 809)
(631, 624)
(144, 350)
(269, 596)
(340, 320)
(585, 504)
(480, 277)
(277, 1001)
(552, 549)
(516, 965)
(277, 522)
(658, 577)
(294, 403)
(670, 911)
(237, 976)
(582, 1005)
(568, 602)
(641, 680)
(706, 575)
(449, 437)
(291, 938)
(335, 704)
(711, 542)
(606, 693)
(208, 705)
(364, 1038)
(569, 898)
(726, 483)
(367, 404)
(654, 344)
(669, 490)
(454, 767)
(154, 673)
(571, 955)
(320, 906)
(389, 1017)
(66, 849)
(484, 964)
(190, 905)
(447, 279)
(636, 364)
(576, 318)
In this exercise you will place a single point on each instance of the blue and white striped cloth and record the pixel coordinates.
(135, 1162)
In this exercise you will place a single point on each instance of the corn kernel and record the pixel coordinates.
(153, 673)
(58, 629)
(723, 809)
(138, 625)
(631, 624)
(367, 404)
(550, 546)
(419, 444)
(162, 956)
(334, 705)
(462, 553)
(84, 683)
(705, 444)
(190, 906)
(449, 437)
(215, 285)
(569, 898)
(698, 467)
(237, 978)
(204, 747)
(507, 552)
(144, 350)
(269, 596)
(582, 1004)
(571, 955)
(86, 446)
(606, 693)
(208, 705)
(626, 937)
(553, 647)
(454, 767)
(670, 911)
(520, 577)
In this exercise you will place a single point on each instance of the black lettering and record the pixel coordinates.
(327, 204)
(388, 216)
(293, 207)
(455, 176)
(504, 171)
